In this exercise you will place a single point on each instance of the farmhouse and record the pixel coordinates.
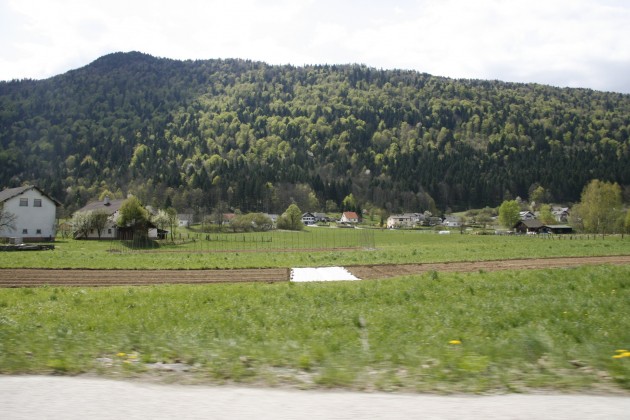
(112, 230)
(34, 211)
(349, 217)
(111, 207)
(560, 213)
(308, 218)
(527, 215)
(407, 220)
(452, 221)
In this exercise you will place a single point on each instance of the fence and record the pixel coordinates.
(312, 239)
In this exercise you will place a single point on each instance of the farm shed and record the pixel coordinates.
(529, 226)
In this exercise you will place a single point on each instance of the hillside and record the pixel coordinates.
(194, 133)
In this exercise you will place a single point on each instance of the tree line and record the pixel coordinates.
(192, 134)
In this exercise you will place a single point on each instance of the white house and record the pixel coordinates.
(35, 214)
(185, 219)
(349, 217)
(111, 207)
(452, 221)
(406, 220)
(527, 215)
(112, 230)
(308, 218)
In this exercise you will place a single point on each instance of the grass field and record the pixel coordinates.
(476, 332)
(510, 331)
(390, 247)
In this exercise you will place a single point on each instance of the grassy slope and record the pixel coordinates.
(554, 329)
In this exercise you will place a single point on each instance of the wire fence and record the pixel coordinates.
(276, 240)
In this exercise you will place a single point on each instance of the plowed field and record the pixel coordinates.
(95, 278)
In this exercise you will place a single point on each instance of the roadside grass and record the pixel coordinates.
(391, 247)
(482, 332)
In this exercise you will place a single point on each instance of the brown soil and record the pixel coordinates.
(89, 278)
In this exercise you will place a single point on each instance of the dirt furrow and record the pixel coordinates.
(96, 278)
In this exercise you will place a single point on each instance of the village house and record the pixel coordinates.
(349, 217)
(527, 215)
(407, 220)
(111, 207)
(308, 218)
(452, 221)
(560, 213)
(35, 214)
(112, 230)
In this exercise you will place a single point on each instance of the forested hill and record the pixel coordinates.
(194, 133)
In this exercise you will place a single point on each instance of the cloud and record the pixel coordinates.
(576, 43)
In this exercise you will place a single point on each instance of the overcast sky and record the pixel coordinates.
(575, 43)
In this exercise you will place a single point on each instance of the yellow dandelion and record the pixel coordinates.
(621, 351)
(120, 354)
(617, 356)
(455, 342)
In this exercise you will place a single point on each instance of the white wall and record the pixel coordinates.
(34, 223)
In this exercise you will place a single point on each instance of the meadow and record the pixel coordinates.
(315, 247)
(482, 332)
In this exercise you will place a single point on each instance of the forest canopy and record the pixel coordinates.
(191, 134)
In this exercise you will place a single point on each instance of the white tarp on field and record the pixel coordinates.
(321, 274)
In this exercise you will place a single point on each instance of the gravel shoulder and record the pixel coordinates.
(29, 397)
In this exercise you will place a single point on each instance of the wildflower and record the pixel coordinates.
(120, 354)
(455, 342)
(621, 353)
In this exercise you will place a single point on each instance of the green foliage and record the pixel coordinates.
(478, 332)
(81, 224)
(133, 214)
(291, 219)
(546, 216)
(253, 135)
(600, 207)
(509, 213)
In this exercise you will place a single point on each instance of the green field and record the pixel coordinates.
(313, 247)
(510, 331)
(475, 332)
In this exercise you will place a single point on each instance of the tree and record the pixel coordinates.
(81, 224)
(600, 206)
(98, 221)
(7, 219)
(545, 215)
(291, 219)
(509, 213)
(538, 196)
(173, 221)
(133, 214)
(161, 220)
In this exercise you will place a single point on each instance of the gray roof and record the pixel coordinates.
(14, 192)
(111, 206)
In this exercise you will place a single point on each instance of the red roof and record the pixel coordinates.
(350, 215)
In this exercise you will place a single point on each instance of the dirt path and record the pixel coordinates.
(88, 278)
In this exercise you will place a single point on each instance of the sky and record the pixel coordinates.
(565, 43)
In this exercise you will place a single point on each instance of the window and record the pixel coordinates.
(37, 202)
(39, 231)
(24, 231)
(23, 202)
(109, 231)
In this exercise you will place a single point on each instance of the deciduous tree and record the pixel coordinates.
(509, 213)
(600, 207)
